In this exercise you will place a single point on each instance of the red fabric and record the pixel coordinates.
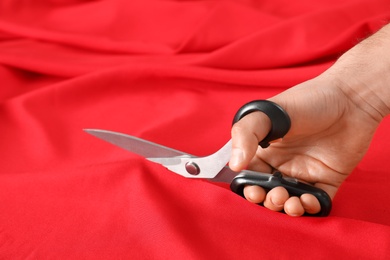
(173, 72)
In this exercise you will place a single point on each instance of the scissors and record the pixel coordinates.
(214, 167)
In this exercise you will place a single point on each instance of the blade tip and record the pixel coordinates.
(89, 130)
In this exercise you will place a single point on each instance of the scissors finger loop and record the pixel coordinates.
(280, 120)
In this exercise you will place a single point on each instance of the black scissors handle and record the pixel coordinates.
(280, 125)
(280, 121)
(292, 185)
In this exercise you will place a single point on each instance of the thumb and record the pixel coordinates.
(246, 135)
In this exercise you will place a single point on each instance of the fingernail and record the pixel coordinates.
(237, 157)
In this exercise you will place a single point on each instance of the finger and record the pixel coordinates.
(293, 207)
(254, 194)
(276, 198)
(246, 134)
(310, 203)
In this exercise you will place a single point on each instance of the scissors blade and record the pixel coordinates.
(198, 167)
(212, 167)
(136, 145)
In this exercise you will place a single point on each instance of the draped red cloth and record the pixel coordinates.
(173, 72)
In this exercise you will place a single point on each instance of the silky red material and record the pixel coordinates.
(173, 72)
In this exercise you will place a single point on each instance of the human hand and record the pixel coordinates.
(329, 136)
(333, 119)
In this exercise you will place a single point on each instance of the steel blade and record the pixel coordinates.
(206, 167)
(213, 167)
(136, 145)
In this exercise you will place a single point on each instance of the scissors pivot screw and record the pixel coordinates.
(192, 168)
